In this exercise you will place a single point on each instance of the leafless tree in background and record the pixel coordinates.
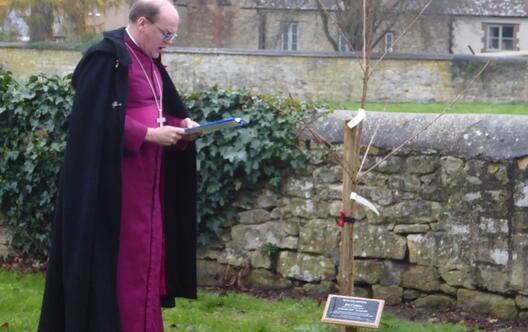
(40, 21)
(348, 15)
(40, 15)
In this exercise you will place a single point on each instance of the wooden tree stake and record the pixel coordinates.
(352, 143)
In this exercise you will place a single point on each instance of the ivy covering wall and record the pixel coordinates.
(33, 126)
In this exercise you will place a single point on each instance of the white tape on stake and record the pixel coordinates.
(365, 202)
(360, 116)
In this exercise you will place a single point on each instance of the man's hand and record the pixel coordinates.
(188, 123)
(166, 135)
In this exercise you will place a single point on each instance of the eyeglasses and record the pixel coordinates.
(167, 35)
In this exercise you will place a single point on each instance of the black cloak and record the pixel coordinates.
(81, 293)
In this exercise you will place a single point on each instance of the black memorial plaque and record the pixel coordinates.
(353, 311)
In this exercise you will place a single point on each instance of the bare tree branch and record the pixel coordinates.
(329, 148)
(367, 150)
(412, 138)
(348, 14)
(413, 22)
(324, 16)
(342, 32)
(370, 25)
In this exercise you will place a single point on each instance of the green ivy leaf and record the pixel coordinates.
(231, 163)
(236, 161)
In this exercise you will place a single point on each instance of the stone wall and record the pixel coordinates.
(24, 62)
(328, 76)
(453, 229)
(454, 224)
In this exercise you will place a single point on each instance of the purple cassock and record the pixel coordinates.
(140, 270)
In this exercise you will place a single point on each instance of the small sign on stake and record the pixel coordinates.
(353, 311)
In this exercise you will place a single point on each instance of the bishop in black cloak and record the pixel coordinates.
(113, 246)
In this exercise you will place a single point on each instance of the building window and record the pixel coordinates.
(290, 36)
(343, 44)
(500, 37)
(389, 42)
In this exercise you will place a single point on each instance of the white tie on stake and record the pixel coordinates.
(360, 116)
(365, 202)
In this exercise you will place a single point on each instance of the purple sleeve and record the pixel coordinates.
(173, 121)
(135, 133)
(177, 122)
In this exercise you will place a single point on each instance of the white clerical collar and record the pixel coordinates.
(132, 38)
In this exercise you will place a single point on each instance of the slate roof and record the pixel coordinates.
(293, 4)
(515, 8)
(496, 8)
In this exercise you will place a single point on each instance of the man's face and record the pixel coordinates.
(159, 34)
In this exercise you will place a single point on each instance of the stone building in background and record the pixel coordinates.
(447, 26)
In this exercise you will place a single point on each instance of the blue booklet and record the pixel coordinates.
(209, 127)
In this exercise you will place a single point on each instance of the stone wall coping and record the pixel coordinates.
(305, 54)
(39, 47)
(255, 52)
(493, 137)
(347, 55)
(280, 53)
(302, 54)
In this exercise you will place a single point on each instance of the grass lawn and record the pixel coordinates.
(459, 108)
(20, 299)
